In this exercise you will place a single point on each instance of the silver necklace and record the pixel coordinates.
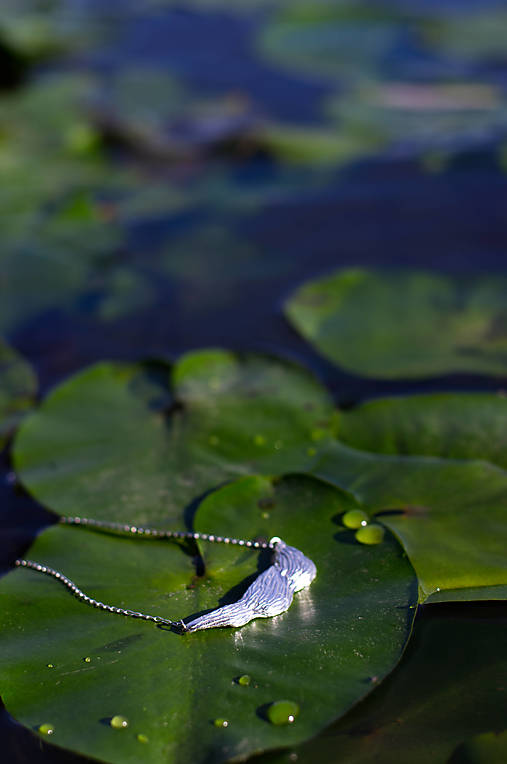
(270, 594)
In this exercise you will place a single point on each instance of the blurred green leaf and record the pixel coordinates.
(450, 425)
(488, 748)
(476, 33)
(405, 324)
(414, 117)
(320, 147)
(18, 386)
(331, 40)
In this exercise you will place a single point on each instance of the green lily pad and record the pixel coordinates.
(488, 748)
(450, 425)
(446, 688)
(18, 386)
(478, 34)
(405, 324)
(416, 117)
(39, 30)
(319, 147)
(122, 441)
(75, 668)
(449, 515)
(331, 40)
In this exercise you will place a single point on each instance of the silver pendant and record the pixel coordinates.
(270, 594)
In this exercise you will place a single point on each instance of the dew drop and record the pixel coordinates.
(119, 722)
(142, 738)
(50, 665)
(221, 723)
(46, 729)
(265, 515)
(259, 440)
(370, 534)
(282, 712)
(355, 518)
(87, 659)
(244, 680)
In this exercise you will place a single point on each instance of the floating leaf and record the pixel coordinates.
(405, 324)
(38, 29)
(113, 443)
(446, 688)
(320, 147)
(477, 34)
(450, 425)
(331, 40)
(488, 748)
(449, 515)
(322, 653)
(410, 117)
(18, 385)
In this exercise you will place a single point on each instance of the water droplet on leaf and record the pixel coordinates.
(370, 534)
(142, 738)
(221, 723)
(355, 518)
(51, 665)
(244, 680)
(259, 440)
(46, 729)
(282, 712)
(87, 659)
(119, 722)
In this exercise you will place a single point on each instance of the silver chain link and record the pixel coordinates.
(137, 531)
(76, 591)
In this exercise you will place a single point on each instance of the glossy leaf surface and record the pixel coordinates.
(124, 442)
(455, 662)
(449, 515)
(450, 425)
(350, 626)
(405, 324)
(18, 385)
